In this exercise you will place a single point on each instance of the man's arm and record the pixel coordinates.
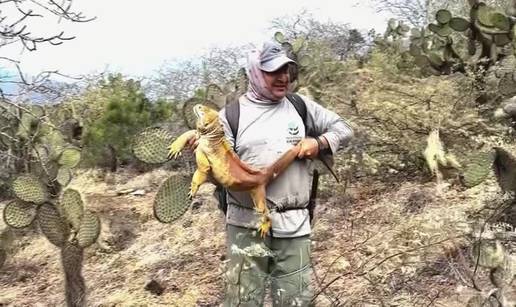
(333, 131)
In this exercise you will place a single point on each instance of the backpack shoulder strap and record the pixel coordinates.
(233, 116)
(300, 106)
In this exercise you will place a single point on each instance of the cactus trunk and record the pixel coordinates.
(75, 288)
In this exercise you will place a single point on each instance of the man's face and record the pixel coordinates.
(277, 81)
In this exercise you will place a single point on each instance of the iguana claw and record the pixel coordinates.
(174, 151)
(265, 226)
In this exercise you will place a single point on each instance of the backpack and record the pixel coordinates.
(232, 113)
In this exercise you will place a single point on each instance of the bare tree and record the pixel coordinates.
(178, 80)
(17, 26)
(18, 90)
(221, 64)
(341, 39)
(414, 12)
(14, 26)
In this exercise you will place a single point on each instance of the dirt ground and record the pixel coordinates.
(373, 245)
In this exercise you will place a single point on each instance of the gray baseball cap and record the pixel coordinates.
(273, 57)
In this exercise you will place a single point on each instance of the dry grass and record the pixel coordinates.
(368, 248)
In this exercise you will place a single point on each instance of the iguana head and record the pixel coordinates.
(207, 120)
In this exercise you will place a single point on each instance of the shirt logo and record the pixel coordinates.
(293, 128)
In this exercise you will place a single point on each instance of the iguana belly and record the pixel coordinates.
(226, 171)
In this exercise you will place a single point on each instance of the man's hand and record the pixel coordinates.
(193, 143)
(188, 139)
(309, 148)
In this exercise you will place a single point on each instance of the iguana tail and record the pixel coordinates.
(281, 164)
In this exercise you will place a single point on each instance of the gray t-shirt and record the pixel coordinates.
(265, 132)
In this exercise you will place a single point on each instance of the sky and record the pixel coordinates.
(137, 37)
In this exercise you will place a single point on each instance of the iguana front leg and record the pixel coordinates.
(260, 205)
(174, 150)
(201, 173)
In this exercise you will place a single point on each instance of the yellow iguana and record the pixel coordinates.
(216, 160)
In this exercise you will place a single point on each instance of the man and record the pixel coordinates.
(268, 126)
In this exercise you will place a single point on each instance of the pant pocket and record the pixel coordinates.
(292, 289)
(245, 286)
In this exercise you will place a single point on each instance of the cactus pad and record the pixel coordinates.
(172, 201)
(501, 39)
(70, 157)
(278, 36)
(71, 208)
(422, 61)
(19, 214)
(52, 225)
(441, 30)
(28, 188)
(29, 123)
(490, 254)
(64, 176)
(477, 168)
(507, 85)
(305, 61)
(443, 16)
(435, 59)
(484, 16)
(89, 230)
(459, 24)
(151, 146)
(298, 44)
(500, 21)
(56, 143)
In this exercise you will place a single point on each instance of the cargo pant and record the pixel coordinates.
(254, 262)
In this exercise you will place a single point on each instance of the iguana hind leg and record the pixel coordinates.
(260, 205)
(201, 173)
(175, 148)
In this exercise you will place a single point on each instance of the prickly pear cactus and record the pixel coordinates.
(172, 201)
(53, 225)
(19, 214)
(89, 229)
(454, 42)
(39, 199)
(297, 51)
(151, 145)
(30, 189)
(64, 176)
(71, 208)
(477, 168)
(70, 157)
